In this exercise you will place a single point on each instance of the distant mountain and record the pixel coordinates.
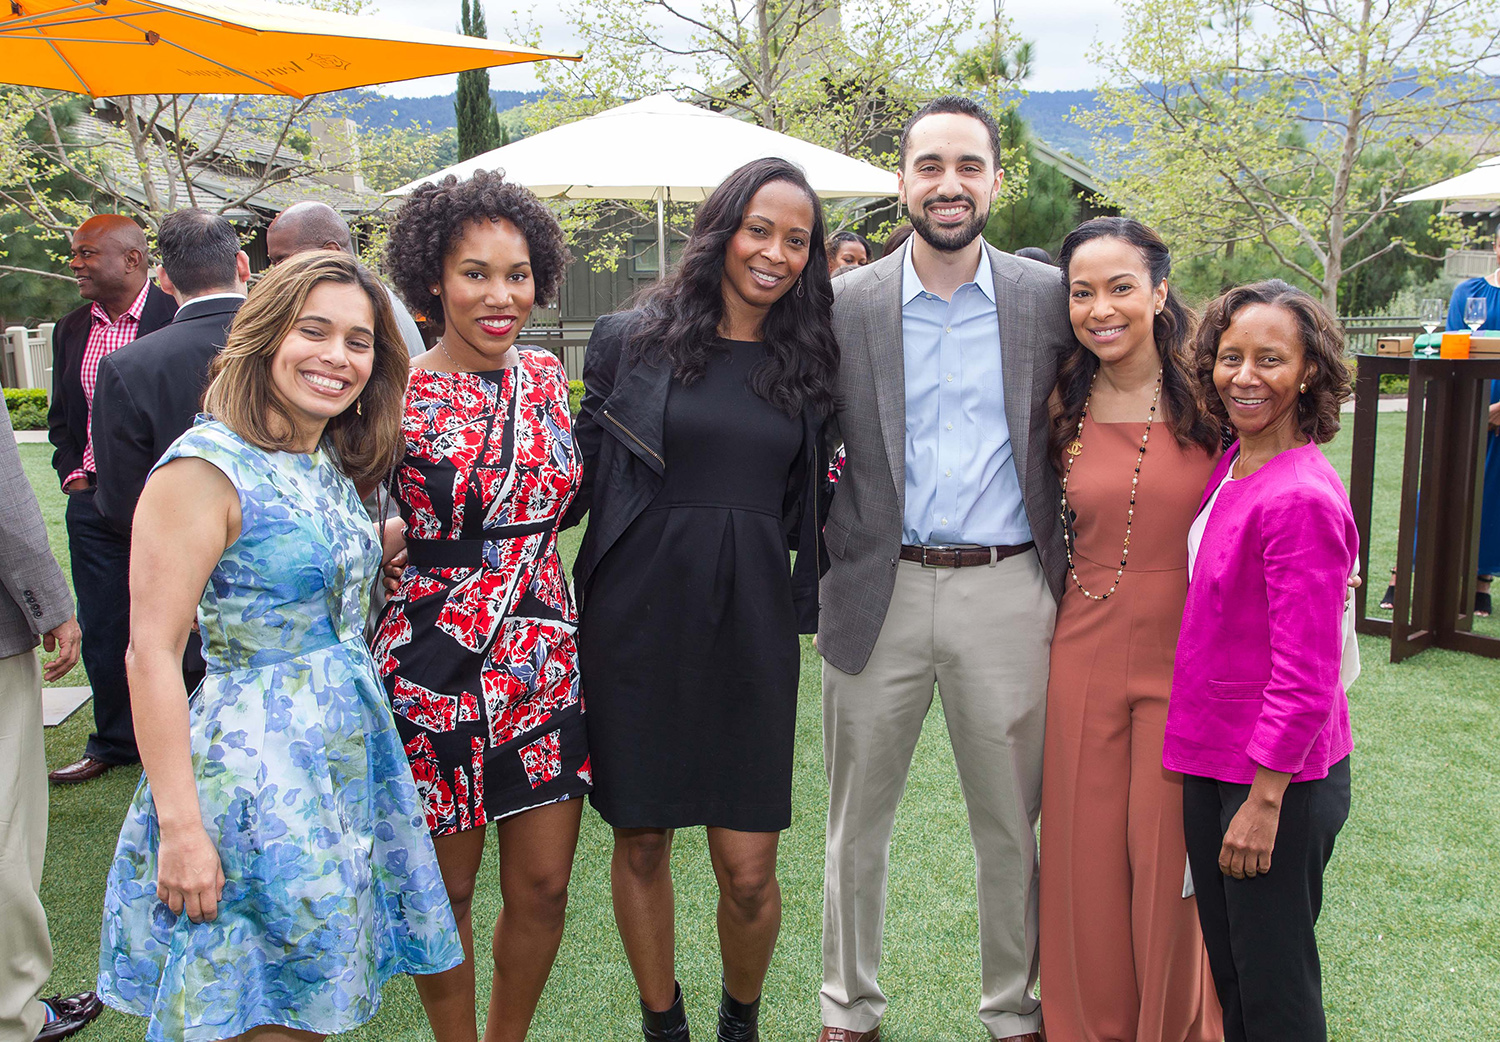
(1047, 114)
(1045, 111)
(381, 111)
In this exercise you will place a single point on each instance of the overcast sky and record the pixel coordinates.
(1062, 42)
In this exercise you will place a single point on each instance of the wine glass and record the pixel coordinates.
(1474, 313)
(1432, 312)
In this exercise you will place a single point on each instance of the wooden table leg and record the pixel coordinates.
(1408, 634)
(1362, 489)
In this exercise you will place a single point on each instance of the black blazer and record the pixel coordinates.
(618, 433)
(68, 417)
(147, 395)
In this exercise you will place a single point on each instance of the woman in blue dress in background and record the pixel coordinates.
(1486, 288)
(275, 868)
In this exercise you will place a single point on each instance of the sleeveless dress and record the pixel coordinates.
(689, 636)
(476, 646)
(331, 886)
(1122, 953)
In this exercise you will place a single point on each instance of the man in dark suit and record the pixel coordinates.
(110, 262)
(149, 391)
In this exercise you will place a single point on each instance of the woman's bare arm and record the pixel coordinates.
(189, 513)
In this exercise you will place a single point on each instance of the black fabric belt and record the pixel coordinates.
(961, 556)
(445, 553)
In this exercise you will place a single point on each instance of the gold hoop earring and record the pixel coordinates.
(359, 409)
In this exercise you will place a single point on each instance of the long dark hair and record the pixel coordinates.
(1185, 415)
(681, 314)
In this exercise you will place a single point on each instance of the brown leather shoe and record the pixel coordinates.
(846, 1035)
(74, 1012)
(1033, 1036)
(84, 769)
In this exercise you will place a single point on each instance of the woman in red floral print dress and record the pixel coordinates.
(476, 645)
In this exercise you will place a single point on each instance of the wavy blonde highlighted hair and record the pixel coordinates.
(365, 444)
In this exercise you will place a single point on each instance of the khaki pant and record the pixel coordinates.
(983, 637)
(25, 950)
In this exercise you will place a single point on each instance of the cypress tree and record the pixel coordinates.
(478, 123)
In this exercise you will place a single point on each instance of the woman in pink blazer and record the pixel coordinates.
(1258, 722)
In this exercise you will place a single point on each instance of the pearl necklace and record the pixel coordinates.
(1075, 447)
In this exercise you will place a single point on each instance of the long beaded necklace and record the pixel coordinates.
(1075, 447)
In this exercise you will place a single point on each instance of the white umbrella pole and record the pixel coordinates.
(661, 235)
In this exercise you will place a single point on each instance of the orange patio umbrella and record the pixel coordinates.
(106, 48)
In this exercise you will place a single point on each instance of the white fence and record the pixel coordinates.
(28, 357)
(1468, 264)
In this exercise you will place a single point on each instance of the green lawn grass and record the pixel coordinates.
(1411, 921)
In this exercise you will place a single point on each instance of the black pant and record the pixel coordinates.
(1262, 947)
(101, 582)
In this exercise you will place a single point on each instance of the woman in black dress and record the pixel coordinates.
(701, 433)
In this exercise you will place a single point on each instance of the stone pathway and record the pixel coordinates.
(59, 703)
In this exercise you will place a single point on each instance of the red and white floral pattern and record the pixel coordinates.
(480, 661)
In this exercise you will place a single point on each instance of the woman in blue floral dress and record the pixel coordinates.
(275, 868)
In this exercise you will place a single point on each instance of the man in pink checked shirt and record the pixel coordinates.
(111, 265)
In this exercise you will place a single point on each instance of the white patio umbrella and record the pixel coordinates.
(662, 149)
(1483, 182)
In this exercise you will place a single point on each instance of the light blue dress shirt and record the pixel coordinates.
(961, 484)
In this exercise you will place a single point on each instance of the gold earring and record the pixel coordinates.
(1303, 390)
(359, 409)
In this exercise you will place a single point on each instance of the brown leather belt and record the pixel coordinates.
(960, 556)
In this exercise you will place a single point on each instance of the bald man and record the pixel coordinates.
(110, 263)
(312, 225)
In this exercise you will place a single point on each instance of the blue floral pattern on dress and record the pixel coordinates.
(331, 886)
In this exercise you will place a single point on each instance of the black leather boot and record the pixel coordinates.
(738, 1021)
(670, 1026)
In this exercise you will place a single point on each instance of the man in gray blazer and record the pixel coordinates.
(35, 607)
(947, 564)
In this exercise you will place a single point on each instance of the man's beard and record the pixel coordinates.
(945, 237)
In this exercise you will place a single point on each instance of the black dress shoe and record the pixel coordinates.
(738, 1021)
(73, 1015)
(668, 1026)
(83, 769)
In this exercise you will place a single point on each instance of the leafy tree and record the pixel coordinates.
(841, 75)
(34, 282)
(391, 157)
(478, 123)
(1045, 207)
(1292, 124)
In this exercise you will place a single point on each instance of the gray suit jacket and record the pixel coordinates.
(34, 597)
(863, 531)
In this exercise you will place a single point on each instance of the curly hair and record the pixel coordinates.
(365, 443)
(435, 215)
(1185, 413)
(1328, 383)
(682, 312)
